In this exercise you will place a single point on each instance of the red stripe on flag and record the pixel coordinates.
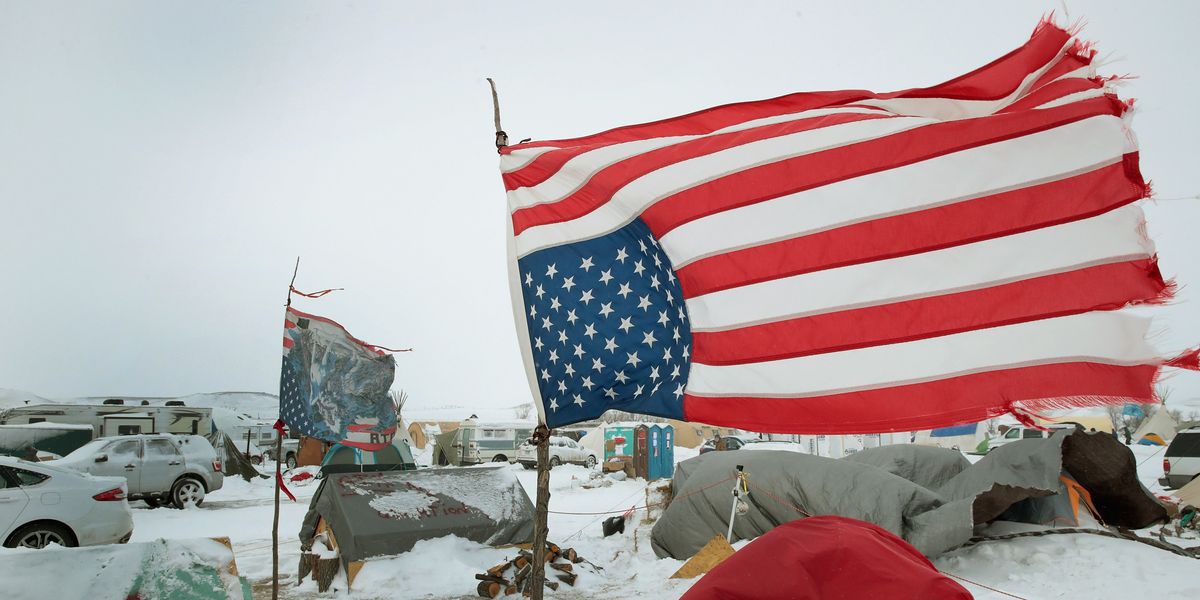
(1103, 287)
(993, 81)
(1007, 213)
(614, 177)
(964, 399)
(1053, 91)
(810, 171)
(288, 343)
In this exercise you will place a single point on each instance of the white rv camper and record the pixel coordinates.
(116, 417)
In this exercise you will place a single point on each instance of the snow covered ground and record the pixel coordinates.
(1057, 566)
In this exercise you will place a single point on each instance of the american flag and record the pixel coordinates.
(333, 386)
(847, 261)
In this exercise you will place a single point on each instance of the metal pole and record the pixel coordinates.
(737, 493)
(541, 438)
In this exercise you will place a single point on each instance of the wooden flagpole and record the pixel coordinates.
(279, 476)
(541, 439)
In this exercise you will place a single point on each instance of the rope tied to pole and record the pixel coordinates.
(501, 136)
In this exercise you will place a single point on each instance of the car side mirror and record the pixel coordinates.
(101, 458)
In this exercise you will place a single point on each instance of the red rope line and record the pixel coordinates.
(780, 500)
(637, 508)
(976, 583)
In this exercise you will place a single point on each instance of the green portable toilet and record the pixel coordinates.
(622, 436)
(661, 451)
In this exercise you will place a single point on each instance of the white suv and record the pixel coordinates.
(562, 450)
(42, 505)
(160, 468)
(1181, 462)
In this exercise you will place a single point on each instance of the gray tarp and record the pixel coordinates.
(233, 460)
(930, 497)
(384, 513)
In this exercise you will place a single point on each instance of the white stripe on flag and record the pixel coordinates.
(1114, 236)
(632, 199)
(579, 169)
(1114, 338)
(1045, 156)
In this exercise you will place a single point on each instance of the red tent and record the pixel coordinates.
(825, 558)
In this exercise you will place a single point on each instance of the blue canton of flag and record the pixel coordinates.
(607, 326)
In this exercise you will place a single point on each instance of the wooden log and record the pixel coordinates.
(324, 571)
(567, 578)
(489, 589)
(306, 564)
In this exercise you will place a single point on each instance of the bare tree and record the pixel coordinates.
(522, 411)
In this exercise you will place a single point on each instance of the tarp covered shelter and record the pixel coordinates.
(931, 497)
(233, 460)
(826, 558)
(396, 455)
(387, 512)
(55, 438)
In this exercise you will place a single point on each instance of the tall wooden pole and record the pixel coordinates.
(541, 436)
(279, 477)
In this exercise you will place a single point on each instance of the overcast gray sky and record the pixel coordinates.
(163, 163)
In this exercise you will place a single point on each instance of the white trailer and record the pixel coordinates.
(111, 418)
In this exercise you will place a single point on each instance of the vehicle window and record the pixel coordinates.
(1012, 434)
(1032, 433)
(160, 448)
(129, 429)
(28, 478)
(125, 449)
(4, 478)
(1185, 444)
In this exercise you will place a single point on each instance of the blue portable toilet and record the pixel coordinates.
(661, 449)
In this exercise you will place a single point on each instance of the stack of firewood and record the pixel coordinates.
(513, 576)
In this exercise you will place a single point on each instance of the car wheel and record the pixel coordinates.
(499, 458)
(152, 502)
(291, 461)
(590, 462)
(554, 462)
(187, 492)
(40, 535)
(528, 466)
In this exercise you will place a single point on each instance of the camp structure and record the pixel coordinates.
(1156, 430)
(931, 497)
(692, 435)
(474, 442)
(361, 515)
(115, 417)
(422, 433)
(55, 438)
(233, 460)
(396, 456)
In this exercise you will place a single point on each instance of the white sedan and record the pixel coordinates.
(562, 450)
(42, 505)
